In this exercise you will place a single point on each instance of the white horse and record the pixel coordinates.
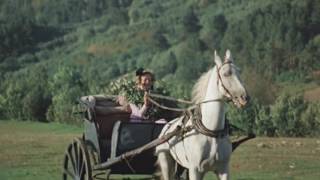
(197, 150)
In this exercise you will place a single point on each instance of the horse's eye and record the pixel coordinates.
(228, 73)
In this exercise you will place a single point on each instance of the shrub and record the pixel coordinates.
(286, 115)
(311, 120)
(243, 118)
(35, 104)
(66, 86)
(263, 122)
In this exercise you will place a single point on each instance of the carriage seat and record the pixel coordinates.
(105, 111)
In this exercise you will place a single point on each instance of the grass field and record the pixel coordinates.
(34, 151)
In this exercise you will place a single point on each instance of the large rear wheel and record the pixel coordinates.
(76, 165)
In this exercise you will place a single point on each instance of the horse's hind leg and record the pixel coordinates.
(167, 165)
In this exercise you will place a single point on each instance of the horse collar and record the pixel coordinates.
(200, 127)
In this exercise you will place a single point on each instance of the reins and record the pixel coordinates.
(193, 105)
(170, 98)
(195, 116)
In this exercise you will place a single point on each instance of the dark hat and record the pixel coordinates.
(139, 71)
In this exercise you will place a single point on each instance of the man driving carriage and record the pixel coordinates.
(131, 102)
(137, 101)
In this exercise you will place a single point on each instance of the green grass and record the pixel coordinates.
(34, 151)
(279, 158)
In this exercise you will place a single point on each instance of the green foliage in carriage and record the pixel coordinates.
(127, 88)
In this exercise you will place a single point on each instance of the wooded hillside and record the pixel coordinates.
(53, 52)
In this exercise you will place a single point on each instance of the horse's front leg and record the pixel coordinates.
(167, 165)
(195, 174)
(223, 175)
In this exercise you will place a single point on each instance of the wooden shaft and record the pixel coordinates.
(139, 150)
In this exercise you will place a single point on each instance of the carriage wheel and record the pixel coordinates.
(76, 165)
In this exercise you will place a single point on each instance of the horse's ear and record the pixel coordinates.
(228, 57)
(217, 59)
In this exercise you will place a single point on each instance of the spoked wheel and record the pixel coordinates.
(76, 165)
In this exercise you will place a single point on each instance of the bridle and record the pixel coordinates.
(220, 80)
(231, 97)
(196, 114)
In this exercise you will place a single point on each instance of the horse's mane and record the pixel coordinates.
(200, 88)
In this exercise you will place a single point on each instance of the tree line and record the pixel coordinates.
(53, 52)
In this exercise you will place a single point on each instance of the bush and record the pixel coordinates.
(243, 118)
(35, 104)
(286, 115)
(66, 86)
(263, 122)
(311, 120)
(62, 107)
(289, 116)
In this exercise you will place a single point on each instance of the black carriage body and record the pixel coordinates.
(106, 137)
(131, 135)
(126, 136)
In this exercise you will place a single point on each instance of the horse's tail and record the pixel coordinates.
(235, 144)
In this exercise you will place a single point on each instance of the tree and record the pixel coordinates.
(190, 22)
(164, 64)
(213, 30)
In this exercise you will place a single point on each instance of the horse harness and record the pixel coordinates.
(195, 116)
(194, 112)
(196, 123)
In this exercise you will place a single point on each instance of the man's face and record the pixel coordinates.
(146, 82)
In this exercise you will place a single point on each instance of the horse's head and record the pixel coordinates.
(229, 82)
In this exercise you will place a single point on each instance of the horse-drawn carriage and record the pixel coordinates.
(198, 140)
(107, 136)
